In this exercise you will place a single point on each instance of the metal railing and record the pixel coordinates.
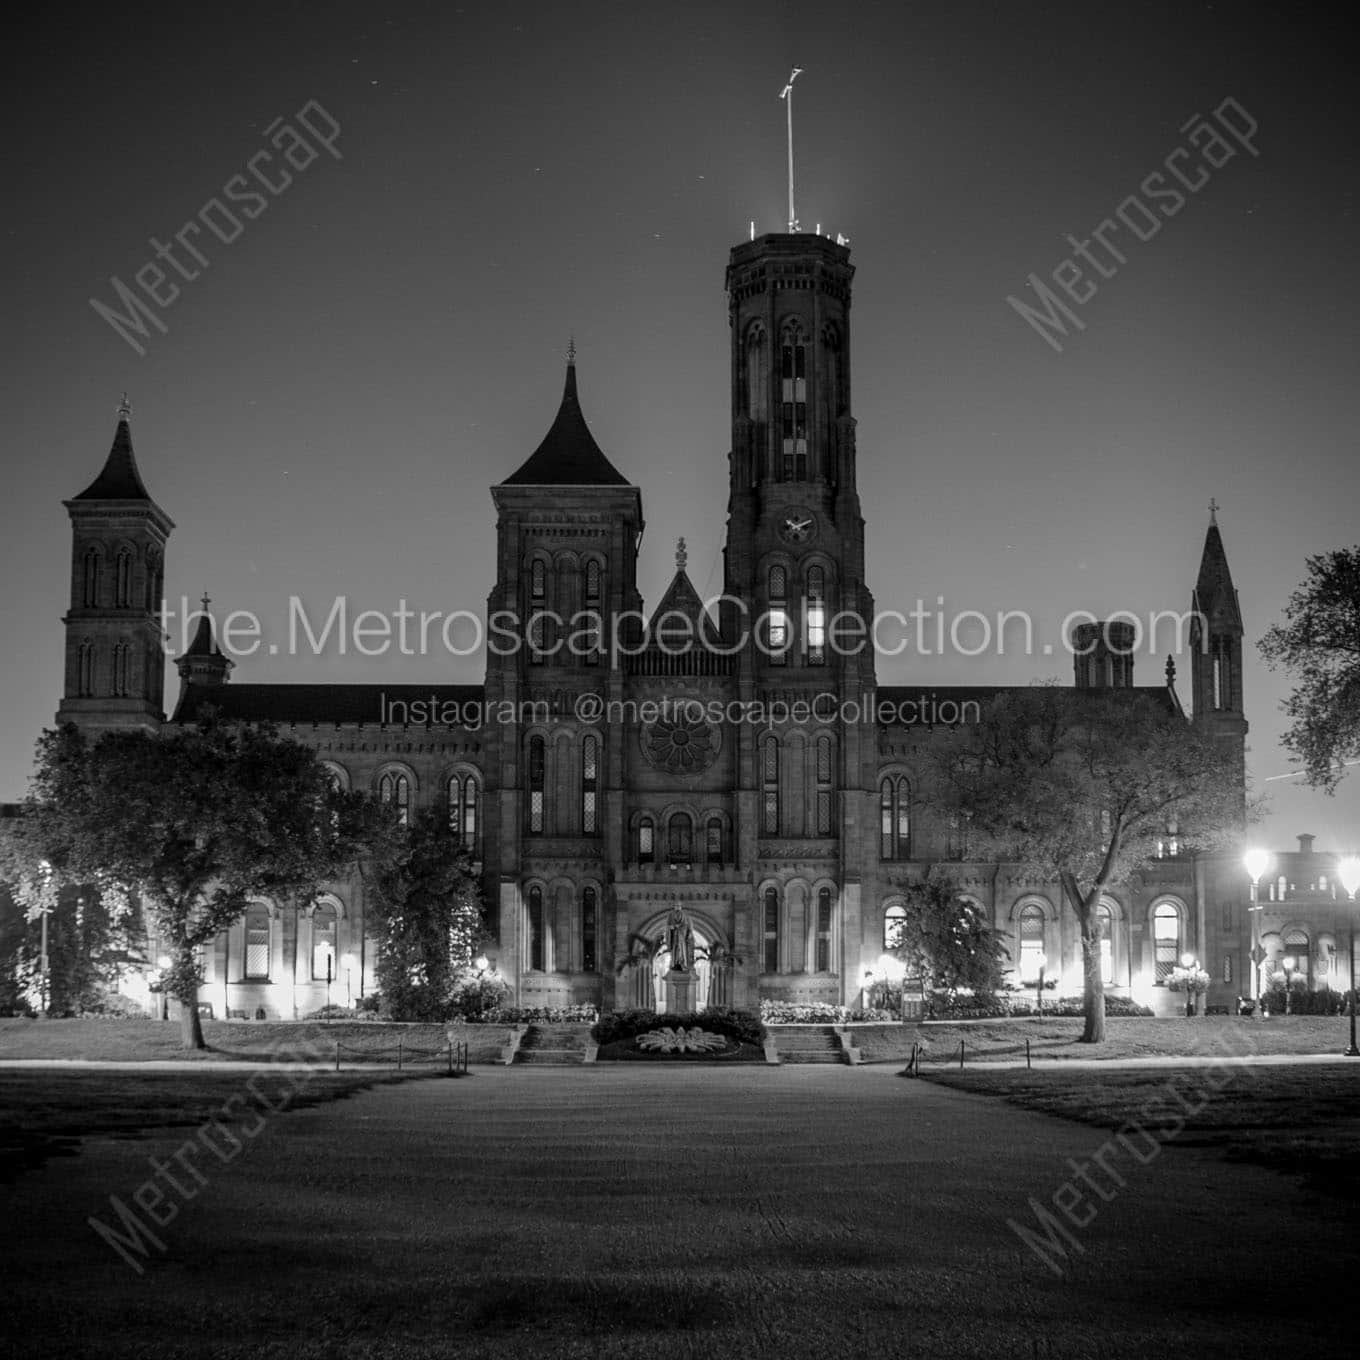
(453, 1055)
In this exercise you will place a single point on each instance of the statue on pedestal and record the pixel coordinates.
(680, 940)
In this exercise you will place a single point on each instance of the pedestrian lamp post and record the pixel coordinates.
(1349, 871)
(1256, 861)
(1042, 961)
(894, 974)
(1289, 967)
(347, 963)
(1189, 972)
(330, 969)
(163, 963)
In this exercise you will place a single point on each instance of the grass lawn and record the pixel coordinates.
(258, 1041)
(1126, 1037)
(1300, 1120)
(45, 1114)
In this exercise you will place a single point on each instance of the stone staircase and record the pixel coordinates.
(554, 1045)
(807, 1044)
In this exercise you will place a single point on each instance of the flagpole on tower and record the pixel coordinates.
(786, 94)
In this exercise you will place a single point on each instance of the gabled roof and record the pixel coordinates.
(119, 480)
(568, 455)
(680, 618)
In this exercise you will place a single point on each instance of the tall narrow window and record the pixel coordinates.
(793, 405)
(323, 943)
(823, 786)
(89, 585)
(589, 930)
(120, 670)
(646, 841)
(1032, 959)
(462, 790)
(536, 749)
(1227, 968)
(396, 789)
(1105, 924)
(894, 811)
(122, 580)
(681, 836)
(535, 914)
(755, 383)
(777, 632)
(771, 935)
(713, 841)
(589, 786)
(538, 580)
(816, 617)
(769, 774)
(1166, 940)
(824, 930)
(257, 942)
(593, 621)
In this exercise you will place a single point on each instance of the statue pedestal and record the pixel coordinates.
(682, 987)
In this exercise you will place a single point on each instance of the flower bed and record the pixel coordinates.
(740, 1026)
(818, 1013)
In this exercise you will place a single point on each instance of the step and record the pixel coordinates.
(551, 1057)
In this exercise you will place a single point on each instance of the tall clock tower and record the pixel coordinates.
(794, 566)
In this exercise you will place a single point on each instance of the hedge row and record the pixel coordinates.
(742, 1026)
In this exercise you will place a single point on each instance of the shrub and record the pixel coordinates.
(367, 1007)
(741, 1026)
(533, 1015)
(115, 1006)
(332, 1013)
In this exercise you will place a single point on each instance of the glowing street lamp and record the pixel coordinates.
(1190, 971)
(894, 973)
(1256, 861)
(1349, 872)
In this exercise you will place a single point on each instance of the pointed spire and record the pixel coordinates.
(681, 555)
(1213, 510)
(119, 480)
(1215, 594)
(205, 640)
(568, 455)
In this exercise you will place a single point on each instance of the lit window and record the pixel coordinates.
(462, 793)
(396, 790)
(646, 837)
(793, 405)
(816, 617)
(1031, 942)
(894, 927)
(257, 942)
(1166, 940)
(536, 786)
(323, 943)
(894, 806)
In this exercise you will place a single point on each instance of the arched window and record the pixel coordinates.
(120, 670)
(894, 926)
(769, 776)
(593, 582)
(713, 841)
(395, 788)
(771, 931)
(257, 942)
(823, 960)
(1032, 956)
(777, 628)
(122, 579)
(535, 914)
(536, 759)
(538, 580)
(793, 376)
(894, 808)
(89, 579)
(590, 642)
(646, 837)
(85, 668)
(755, 381)
(1105, 926)
(590, 748)
(589, 930)
(463, 796)
(824, 770)
(680, 835)
(1166, 939)
(816, 616)
(323, 943)
(1297, 956)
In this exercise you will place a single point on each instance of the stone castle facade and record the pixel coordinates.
(619, 776)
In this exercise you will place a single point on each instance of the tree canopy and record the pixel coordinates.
(1320, 641)
(1086, 787)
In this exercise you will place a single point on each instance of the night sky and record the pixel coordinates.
(339, 387)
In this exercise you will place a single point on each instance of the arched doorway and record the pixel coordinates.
(647, 988)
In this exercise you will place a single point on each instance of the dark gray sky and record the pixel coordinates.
(338, 388)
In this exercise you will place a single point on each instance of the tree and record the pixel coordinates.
(196, 821)
(429, 912)
(1083, 786)
(947, 941)
(1320, 641)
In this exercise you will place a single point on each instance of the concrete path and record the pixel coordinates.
(642, 1212)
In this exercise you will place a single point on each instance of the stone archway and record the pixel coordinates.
(647, 986)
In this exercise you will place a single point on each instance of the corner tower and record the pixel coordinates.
(115, 649)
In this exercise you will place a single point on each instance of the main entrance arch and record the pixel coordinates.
(644, 982)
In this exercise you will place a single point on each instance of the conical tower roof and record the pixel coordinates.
(568, 455)
(119, 480)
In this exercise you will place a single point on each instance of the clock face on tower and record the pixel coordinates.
(797, 526)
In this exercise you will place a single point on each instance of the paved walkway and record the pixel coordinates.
(789, 1212)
